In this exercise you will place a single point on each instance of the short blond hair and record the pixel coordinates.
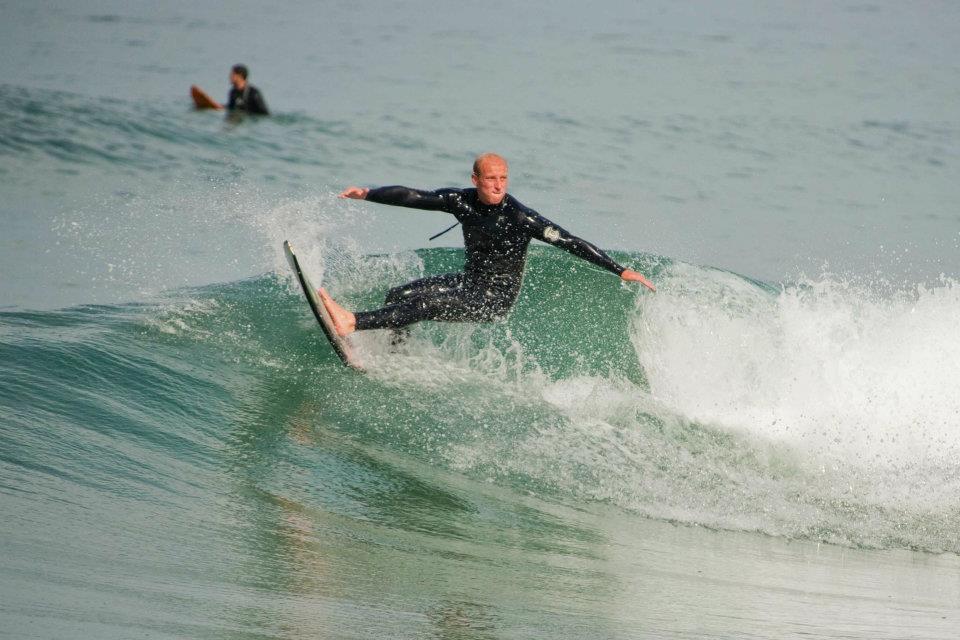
(483, 157)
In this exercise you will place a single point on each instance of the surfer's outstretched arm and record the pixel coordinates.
(398, 196)
(543, 229)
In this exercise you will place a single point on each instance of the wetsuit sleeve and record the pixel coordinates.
(440, 200)
(256, 104)
(542, 229)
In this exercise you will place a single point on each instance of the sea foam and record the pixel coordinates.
(829, 366)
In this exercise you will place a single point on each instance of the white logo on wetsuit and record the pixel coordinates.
(552, 234)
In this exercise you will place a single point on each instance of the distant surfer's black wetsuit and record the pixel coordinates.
(250, 100)
(495, 239)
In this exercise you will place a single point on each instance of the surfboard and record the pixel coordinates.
(341, 346)
(201, 100)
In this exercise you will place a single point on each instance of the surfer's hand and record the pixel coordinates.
(356, 193)
(633, 276)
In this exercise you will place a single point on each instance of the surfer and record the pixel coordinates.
(497, 229)
(243, 97)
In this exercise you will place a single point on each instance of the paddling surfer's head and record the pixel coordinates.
(238, 76)
(490, 177)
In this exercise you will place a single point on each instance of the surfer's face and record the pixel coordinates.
(237, 80)
(491, 181)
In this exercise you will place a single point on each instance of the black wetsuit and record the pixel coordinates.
(250, 100)
(495, 240)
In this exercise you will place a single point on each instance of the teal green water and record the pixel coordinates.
(767, 447)
(203, 466)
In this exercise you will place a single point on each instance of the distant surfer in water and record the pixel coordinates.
(497, 229)
(243, 97)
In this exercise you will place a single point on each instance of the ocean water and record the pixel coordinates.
(765, 448)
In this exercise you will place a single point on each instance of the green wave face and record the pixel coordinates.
(580, 396)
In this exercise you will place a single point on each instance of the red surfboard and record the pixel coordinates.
(201, 100)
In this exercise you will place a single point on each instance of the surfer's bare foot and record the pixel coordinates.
(343, 321)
